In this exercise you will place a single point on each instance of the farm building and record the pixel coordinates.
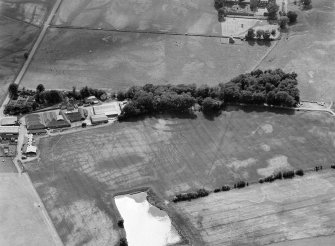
(9, 132)
(91, 100)
(37, 131)
(99, 119)
(29, 150)
(35, 122)
(75, 116)
(108, 109)
(9, 121)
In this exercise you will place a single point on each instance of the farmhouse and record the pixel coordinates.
(9, 132)
(109, 109)
(9, 121)
(99, 119)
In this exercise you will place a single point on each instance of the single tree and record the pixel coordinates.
(306, 3)
(40, 88)
(267, 35)
(292, 16)
(250, 34)
(259, 34)
(13, 90)
(272, 10)
(283, 20)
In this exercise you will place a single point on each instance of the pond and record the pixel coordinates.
(144, 223)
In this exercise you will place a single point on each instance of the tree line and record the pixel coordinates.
(272, 87)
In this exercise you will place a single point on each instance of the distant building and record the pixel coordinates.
(91, 100)
(9, 132)
(9, 121)
(99, 119)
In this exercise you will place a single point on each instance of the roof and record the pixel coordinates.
(31, 149)
(75, 116)
(9, 129)
(60, 117)
(7, 121)
(91, 98)
(99, 118)
(37, 131)
(34, 122)
(108, 109)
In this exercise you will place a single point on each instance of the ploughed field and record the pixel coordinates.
(263, 214)
(118, 60)
(16, 38)
(172, 16)
(30, 11)
(309, 51)
(78, 174)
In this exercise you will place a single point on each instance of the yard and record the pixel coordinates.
(78, 174)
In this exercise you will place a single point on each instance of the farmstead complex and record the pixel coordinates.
(156, 123)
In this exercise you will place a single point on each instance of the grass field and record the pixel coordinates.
(117, 60)
(15, 39)
(264, 214)
(78, 174)
(22, 218)
(30, 11)
(173, 16)
(309, 51)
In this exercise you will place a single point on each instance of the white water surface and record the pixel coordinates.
(145, 225)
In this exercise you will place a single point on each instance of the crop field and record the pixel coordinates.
(15, 39)
(117, 60)
(264, 214)
(78, 174)
(309, 51)
(173, 16)
(30, 11)
(22, 218)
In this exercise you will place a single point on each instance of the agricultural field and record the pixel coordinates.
(16, 38)
(78, 174)
(186, 16)
(118, 60)
(23, 221)
(309, 51)
(264, 214)
(30, 11)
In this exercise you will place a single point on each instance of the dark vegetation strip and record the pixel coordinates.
(269, 87)
(288, 174)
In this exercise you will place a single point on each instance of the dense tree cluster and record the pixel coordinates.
(153, 99)
(13, 91)
(190, 196)
(272, 8)
(273, 87)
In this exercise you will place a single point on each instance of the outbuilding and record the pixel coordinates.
(111, 109)
(9, 132)
(99, 119)
(9, 121)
